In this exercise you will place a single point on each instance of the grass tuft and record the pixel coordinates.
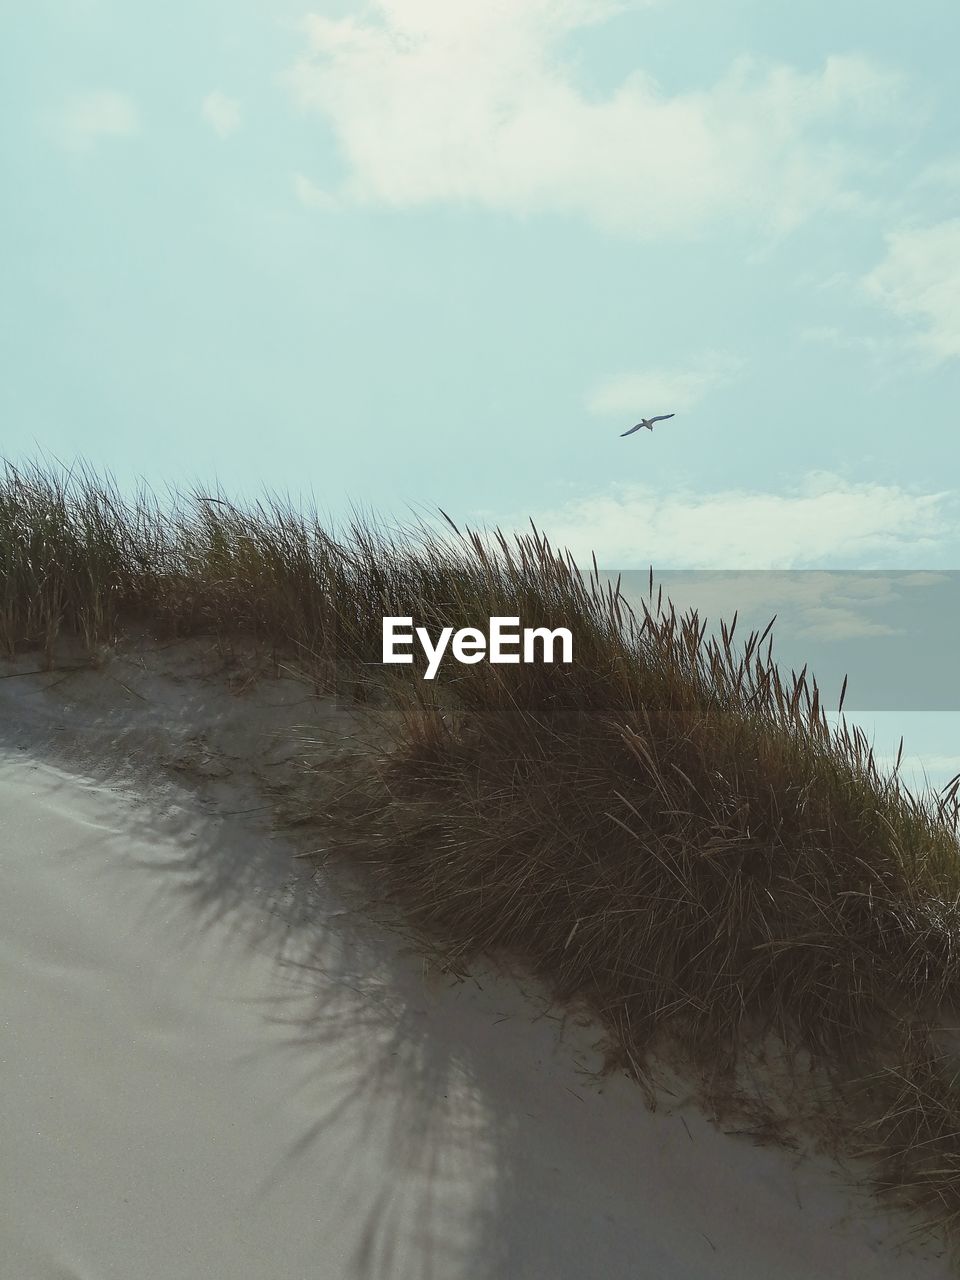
(668, 829)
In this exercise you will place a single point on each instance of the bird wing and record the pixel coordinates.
(662, 417)
(631, 431)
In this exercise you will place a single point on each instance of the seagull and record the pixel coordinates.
(648, 423)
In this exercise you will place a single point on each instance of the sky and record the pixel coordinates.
(421, 253)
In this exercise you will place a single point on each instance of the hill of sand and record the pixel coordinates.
(220, 1061)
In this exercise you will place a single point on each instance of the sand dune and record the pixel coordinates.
(217, 1062)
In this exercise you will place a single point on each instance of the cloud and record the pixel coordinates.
(919, 279)
(922, 771)
(886, 354)
(101, 113)
(824, 521)
(823, 606)
(881, 348)
(450, 101)
(221, 113)
(940, 174)
(310, 195)
(673, 389)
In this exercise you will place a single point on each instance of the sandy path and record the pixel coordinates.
(195, 1086)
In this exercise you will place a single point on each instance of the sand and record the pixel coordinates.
(218, 1062)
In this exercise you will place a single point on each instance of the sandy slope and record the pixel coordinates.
(215, 1065)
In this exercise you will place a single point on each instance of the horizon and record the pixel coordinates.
(416, 253)
(409, 253)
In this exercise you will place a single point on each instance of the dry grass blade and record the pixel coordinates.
(665, 829)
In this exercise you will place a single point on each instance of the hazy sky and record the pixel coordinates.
(422, 252)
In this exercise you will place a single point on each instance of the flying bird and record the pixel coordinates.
(648, 423)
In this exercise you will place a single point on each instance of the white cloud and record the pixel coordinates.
(942, 173)
(670, 389)
(919, 279)
(824, 521)
(221, 113)
(922, 772)
(833, 336)
(453, 101)
(101, 113)
(888, 357)
(310, 195)
(823, 606)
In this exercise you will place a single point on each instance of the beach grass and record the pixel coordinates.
(669, 830)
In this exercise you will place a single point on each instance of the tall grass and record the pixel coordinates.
(669, 828)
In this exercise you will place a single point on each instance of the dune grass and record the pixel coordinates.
(669, 829)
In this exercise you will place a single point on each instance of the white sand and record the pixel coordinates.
(214, 1066)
